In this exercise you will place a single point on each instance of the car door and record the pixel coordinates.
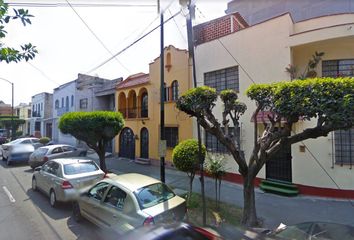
(69, 151)
(45, 176)
(54, 179)
(90, 203)
(57, 152)
(119, 211)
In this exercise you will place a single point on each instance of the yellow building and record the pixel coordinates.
(138, 99)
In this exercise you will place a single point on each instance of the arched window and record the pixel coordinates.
(174, 90)
(144, 105)
(56, 104)
(67, 103)
(72, 100)
(62, 102)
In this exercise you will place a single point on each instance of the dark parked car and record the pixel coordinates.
(314, 230)
(173, 231)
(43, 154)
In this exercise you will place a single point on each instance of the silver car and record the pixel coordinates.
(121, 203)
(62, 178)
(19, 149)
(43, 154)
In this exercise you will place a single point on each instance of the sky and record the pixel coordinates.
(76, 36)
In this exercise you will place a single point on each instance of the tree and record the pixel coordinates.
(96, 129)
(328, 102)
(7, 122)
(9, 54)
(215, 166)
(186, 159)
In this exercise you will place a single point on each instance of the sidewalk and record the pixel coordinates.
(272, 209)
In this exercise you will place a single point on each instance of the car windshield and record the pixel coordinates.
(80, 167)
(16, 141)
(41, 151)
(153, 194)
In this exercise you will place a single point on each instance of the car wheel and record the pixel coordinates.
(34, 184)
(76, 212)
(52, 198)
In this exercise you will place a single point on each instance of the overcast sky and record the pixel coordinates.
(67, 47)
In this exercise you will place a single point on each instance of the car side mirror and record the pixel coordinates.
(37, 169)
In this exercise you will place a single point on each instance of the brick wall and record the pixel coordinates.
(217, 28)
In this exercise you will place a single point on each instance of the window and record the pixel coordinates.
(166, 96)
(56, 104)
(97, 192)
(214, 145)
(344, 146)
(174, 90)
(62, 102)
(343, 139)
(336, 68)
(67, 103)
(171, 136)
(223, 79)
(68, 149)
(116, 197)
(57, 150)
(153, 194)
(80, 167)
(83, 103)
(72, 100)
(144, 105)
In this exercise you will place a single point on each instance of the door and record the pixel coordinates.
(90, 203)
(127, 144)
(279, 167)
(144, 143)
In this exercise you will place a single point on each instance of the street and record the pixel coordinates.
(25, 214)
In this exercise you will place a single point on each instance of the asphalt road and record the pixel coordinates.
(25, 214)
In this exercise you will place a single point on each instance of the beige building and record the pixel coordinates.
(23, 111)
(237, 55)
(138, 99)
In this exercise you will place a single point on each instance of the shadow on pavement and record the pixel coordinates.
(63, 210)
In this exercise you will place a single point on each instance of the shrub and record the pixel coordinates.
(44, 140)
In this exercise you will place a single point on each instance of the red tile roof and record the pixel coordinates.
(133, 80)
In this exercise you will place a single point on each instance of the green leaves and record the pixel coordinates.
(185, 155)
(330, 99)
(9, 54)
(197, 100)
(92, 127)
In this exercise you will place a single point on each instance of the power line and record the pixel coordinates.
(95, 35)
(179, 30)
(133, 43)
(59, 4)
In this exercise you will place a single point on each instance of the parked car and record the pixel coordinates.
(62, 178)
(175, 231)
(121, 203)
(3, 134)
(43, 154)
(8, 147)
(313, 230)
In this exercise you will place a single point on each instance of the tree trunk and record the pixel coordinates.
(219, 192)
(216, 193)
(249, 217)
(191, 178)
(102, 157)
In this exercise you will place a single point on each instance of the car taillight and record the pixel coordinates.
(149, 221)
(66, 185)
(45, 158)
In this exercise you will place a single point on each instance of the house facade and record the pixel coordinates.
(23, 111)
(259, 53)
(138, 99)
(86, 93)
(41, 118)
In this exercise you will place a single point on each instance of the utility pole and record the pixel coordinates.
(162, 144)
(12, 108)
(191, 9)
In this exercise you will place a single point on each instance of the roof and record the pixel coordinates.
(70, 160)
(132, 181)
(133, 80)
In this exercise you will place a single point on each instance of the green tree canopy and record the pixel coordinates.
(328, 102)
(186, 159)
(96, 129)
(10, 54)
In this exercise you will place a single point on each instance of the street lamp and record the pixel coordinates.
(12, 107)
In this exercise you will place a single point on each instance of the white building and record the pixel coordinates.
(41, 123)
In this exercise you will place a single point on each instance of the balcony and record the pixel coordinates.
(36, 114)
(134, 113)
